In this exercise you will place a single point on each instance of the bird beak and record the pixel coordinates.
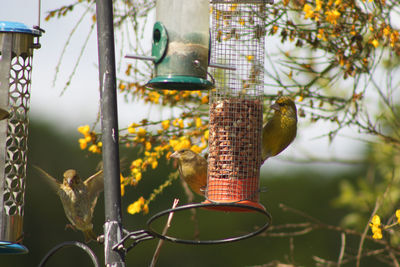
(174, 155)
(275, 106)
(69, 181)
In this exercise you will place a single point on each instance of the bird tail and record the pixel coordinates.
(89, 235)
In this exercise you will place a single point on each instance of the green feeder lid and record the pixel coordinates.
(179, 83)
(12, 248)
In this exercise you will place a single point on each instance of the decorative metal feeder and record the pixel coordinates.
(17, 42)
(236, 103)
(180, 47)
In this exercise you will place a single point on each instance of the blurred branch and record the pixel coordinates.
(164, 232)
(315, 159)
(314, 224)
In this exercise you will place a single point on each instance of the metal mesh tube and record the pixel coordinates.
(236, 108)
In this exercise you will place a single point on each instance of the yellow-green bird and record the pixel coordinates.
(281, 129)
(192, 169)
(78, 198)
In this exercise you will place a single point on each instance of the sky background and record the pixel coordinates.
(79, 104)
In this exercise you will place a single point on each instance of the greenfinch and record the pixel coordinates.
(78, 198)
(281, 129)
(192, 169)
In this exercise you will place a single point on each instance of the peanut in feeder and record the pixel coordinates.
(16, 52)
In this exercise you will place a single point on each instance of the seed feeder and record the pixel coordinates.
(17, 42)
(181, 48)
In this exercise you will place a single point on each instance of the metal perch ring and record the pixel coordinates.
(209, 205)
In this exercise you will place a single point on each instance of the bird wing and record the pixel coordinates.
(54, 183)
(94, 184)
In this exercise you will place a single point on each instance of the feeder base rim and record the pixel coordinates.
(235, 209)
(7, 247)
(179, 83)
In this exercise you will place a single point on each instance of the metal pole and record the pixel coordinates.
(109, 123)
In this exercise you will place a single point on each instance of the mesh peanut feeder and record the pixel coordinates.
(16, 51)
(236, 103)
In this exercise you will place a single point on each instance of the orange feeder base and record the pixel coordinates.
(237, 191)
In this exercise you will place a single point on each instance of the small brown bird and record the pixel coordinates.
(281, 129)
(193, 169)
(78, 198)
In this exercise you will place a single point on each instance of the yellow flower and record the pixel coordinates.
(122, 86)
(88, 138)
(308, 10)
(332, 16)
(241, 21)
(154, 97)
(204, 99)
(249, 57)
(376, 227)
(218, 14)
(165, 124)
(136, 206)
(196, 149)
(82, 143)
(138, 177)
(145, 208)
(147, 146)
(206, 134)
(122, 184)
(274, 29)
(178, 123)
(375, 43)
(198, 122)
(386, 31)
(394, 36)
(85, 130)
(132, 128)
(141, 132)
(377, 234)
(376, 220)
(318, 5)
(181, 143)
(338, 2)
(137, 163)
(95, 148)
(154, 164)
(398, 215)
(321, 34)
